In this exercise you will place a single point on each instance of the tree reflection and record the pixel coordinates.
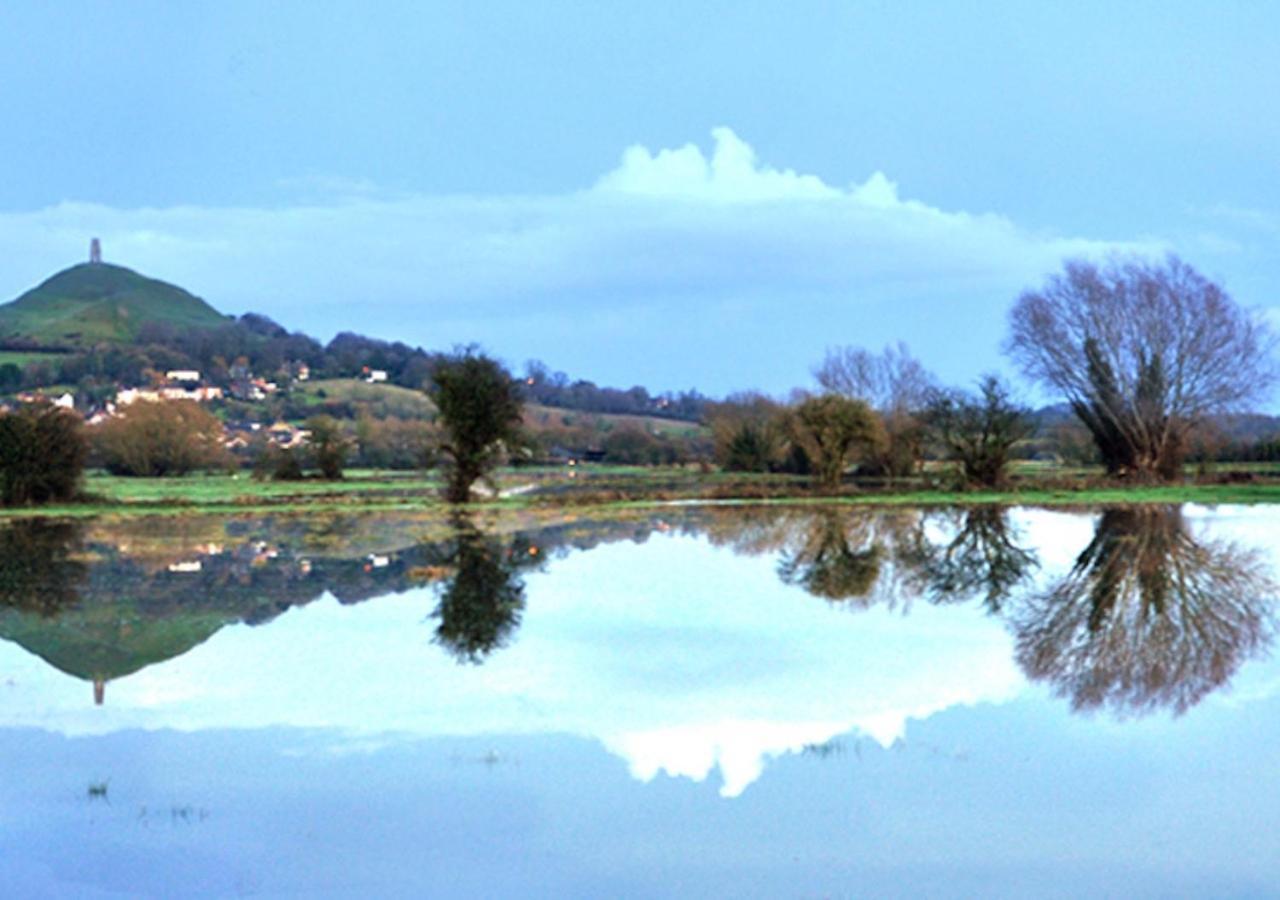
(837, 558)
(482, 600)
(39, 569)
(1148, 617)
(982, 559)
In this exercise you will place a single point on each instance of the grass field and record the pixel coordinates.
(537, 417)
(22, 358)
(390, 399)
(581, 487)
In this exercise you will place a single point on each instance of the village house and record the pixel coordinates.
(63, 401)
(287, 436)
(202, 394)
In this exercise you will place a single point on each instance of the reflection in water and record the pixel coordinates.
(982, 559)
(1148, 617)
(481, 602)
(38, 569)
(837, 557)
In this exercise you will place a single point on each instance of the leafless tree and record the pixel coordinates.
(895, 385)
(1149, 617)
(1144, 352)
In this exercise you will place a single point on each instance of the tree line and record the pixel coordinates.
(1145, 354)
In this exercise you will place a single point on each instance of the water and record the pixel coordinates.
(691, 702)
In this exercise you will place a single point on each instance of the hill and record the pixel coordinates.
(95, 303)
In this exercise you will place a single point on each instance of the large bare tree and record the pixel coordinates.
(1144, 352)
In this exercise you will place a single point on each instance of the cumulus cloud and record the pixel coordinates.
(718, 238)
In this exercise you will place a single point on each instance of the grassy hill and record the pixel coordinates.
(96, 303)
(380, 400)
(538, 417)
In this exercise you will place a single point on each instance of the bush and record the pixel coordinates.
(395, 443)
(834, 431)
(157, 439)
(749, 433)
(42, 455)
(632, 445)
(979, 431)
(329, 446)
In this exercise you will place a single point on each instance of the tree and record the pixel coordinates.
(833, 430)
(835, 558)
(896, 386)
(480, 410)
(1144, 353)
(481, 603)
(981, 558)
(979, 432)
(170, 437)
(42, 454)
(1148, 618)
(329, 444)
(748, 432)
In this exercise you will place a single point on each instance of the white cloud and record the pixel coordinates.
(720, 240)
(731, 175)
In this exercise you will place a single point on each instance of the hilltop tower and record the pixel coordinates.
(95, 251)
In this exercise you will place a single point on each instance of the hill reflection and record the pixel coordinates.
(1149, 617)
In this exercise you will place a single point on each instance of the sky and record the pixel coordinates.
(675, 194)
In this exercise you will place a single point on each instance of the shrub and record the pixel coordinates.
(166, 438)
(42, 454)
(329, 446)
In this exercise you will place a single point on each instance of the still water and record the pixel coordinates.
(686, 702)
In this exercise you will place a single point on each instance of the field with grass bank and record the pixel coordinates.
(585, 486)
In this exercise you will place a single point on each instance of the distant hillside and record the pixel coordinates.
(95, 303)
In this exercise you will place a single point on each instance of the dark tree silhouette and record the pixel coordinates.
(480, 410)
(1148, 618)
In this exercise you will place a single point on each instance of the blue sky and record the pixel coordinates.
(674, 194)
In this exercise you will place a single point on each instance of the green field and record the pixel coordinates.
(585, 486)
(23, 358)
(386, 399)
(538, 417)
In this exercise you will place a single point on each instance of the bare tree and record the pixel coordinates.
(1149, 617)
(1144, 352)
(895, 385)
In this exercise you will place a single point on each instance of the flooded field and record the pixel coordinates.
(680, 702)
